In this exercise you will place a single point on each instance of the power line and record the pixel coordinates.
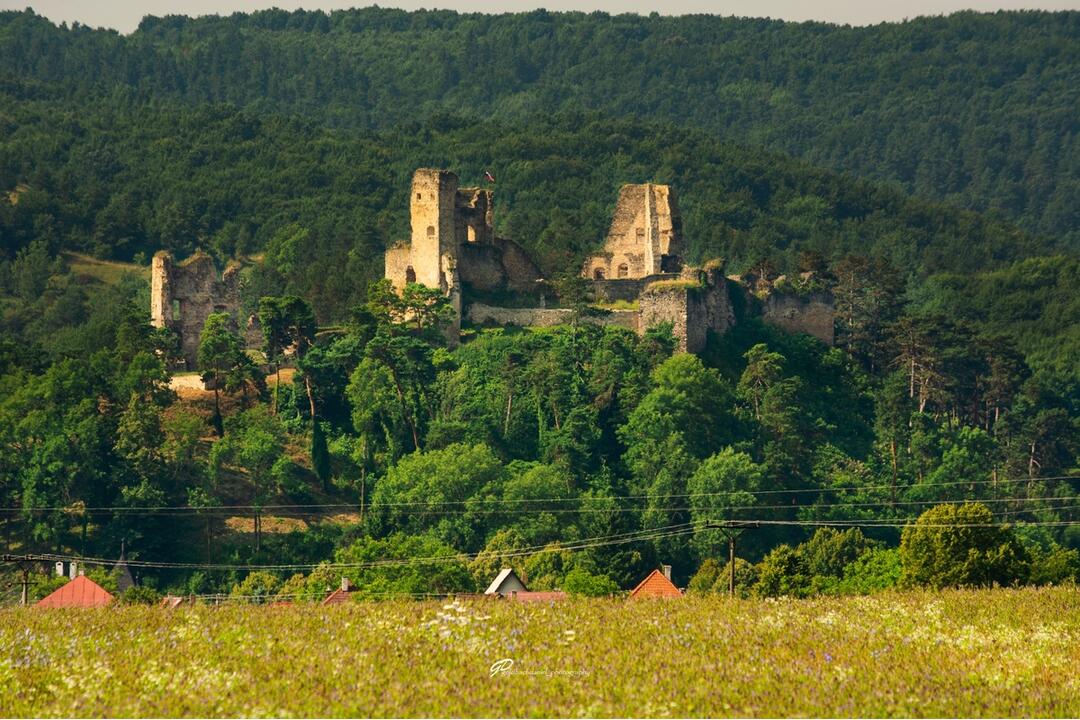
(309, 508)
(601, 541)
(434, 510)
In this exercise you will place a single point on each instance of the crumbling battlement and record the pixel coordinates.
(183, 294)
(811, 313)
(694, 302)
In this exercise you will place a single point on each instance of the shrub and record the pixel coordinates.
(961, 546)
(582, 582)
(873, 571)
(1055, 566)
(782, 573)
(259, 586)
(140, 595)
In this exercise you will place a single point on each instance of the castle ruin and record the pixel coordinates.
(183, 294)
(453, 247)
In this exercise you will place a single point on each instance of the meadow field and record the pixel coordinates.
(960, 653)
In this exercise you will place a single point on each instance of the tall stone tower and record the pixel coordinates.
(432, 206)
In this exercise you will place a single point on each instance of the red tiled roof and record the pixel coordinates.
(336, 597)
(655, 585)
(537, 596)
(80, 592)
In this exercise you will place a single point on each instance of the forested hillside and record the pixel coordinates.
(583, 455)
(126, 182)
(973, 109)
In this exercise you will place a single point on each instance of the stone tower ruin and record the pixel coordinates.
(452, 244)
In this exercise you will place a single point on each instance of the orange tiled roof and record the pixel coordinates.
(655, 585)
(80, 592)
(337, 597)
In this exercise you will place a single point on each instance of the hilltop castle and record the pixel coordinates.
(453, 247)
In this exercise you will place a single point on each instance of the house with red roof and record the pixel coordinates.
(340, 595)
(80, 592)
(657, 584)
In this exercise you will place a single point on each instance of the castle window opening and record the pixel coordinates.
(624, 270)
(598, 274)
(472, 234)
(176, 309)
(431, 231)
(410, 275)
(419, 196)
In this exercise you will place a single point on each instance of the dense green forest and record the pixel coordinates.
(978, 110)
(583, 456)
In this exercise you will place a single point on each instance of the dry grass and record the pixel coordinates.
(105, 271)
(1002, 653)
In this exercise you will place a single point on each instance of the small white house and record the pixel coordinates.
(506, 583)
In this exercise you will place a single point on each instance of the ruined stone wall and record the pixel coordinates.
(480, 314)
(480, 267)
(695, 304)
(184, 294)
(644, 238)
(474, 216)
(662, 303)
(520, 271)
(398, 266)
(813, 314)
(709, 309)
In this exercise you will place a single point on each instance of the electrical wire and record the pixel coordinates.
(310, 508)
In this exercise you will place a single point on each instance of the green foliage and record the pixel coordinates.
(410, 575)
(874, 571)
(140, 595)
(581, 582)
(438, 491)
(984, 97)
(961, 545)
(258, 587)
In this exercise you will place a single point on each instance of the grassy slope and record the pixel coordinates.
(105, 271)
(979, 653)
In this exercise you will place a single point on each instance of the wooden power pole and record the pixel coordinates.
(24, 563)
(732, 528)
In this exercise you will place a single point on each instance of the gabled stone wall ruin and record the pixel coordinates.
(645, 237)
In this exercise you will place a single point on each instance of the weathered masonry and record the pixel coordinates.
(453, 247)
(183, 294)
(645, 236)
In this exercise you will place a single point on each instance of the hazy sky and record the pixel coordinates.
(124, 15)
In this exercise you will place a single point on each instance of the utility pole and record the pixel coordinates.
(24, 562)
(732, 529)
